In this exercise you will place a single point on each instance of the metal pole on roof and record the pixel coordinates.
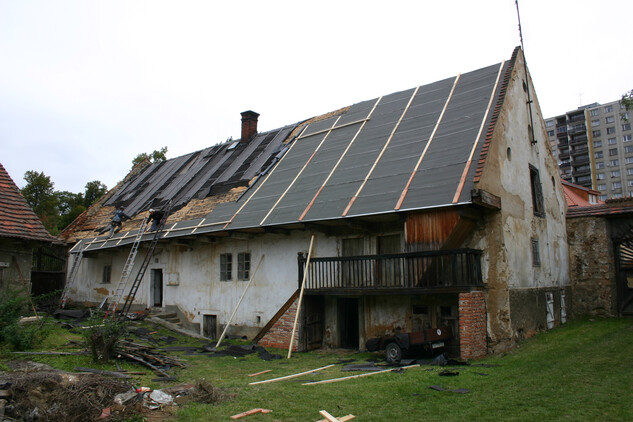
(226, 327)
(303, 284)
(527, 80)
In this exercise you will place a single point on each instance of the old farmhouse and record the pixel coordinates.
(438, 206)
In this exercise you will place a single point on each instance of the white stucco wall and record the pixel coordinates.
(191, 276)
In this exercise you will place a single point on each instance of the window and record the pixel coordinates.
(598, 154)
(617, 195)
(595, 122)
(549, 123)
(603, 197)
(595, 133)
(597, 144)
(106, 274)
(602, 186)
(609, 119)
(613, 151)
(630, 182)
(226, 266)
(614, 163)
(594, 112)
(608, 109)
(612, 141)
(624, 116)
(243, 266)
(626, 138)
(536, 255)
(550, 133)
(615, 173)
(629, 171)
(616, 185)
(561, 129)
(628, 149)
(601, 176)
(600, 165)
(537, 192)
(626, 126)
(611, 130)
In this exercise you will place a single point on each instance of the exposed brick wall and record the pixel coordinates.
(472, 325)
(279, 334)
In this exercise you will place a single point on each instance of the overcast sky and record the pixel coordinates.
(85, 86)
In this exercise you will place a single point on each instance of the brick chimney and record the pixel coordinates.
(249, 125)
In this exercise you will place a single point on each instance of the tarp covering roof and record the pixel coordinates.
(410, 150)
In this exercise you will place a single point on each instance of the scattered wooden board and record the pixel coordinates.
(259, 373)
(290, 376)
(358, 376)
(251, 412)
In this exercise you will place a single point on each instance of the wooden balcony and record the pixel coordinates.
(405, 273)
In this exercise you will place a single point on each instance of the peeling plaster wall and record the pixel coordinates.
(592, 268)
(506, 235)
(191, 278)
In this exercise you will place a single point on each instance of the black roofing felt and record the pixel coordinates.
(358, 163)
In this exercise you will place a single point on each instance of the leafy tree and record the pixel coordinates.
(94, 191)
(627, 100)
(156, 156)
(70, 205)
(40, 195)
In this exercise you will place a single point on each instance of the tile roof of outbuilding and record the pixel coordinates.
(17, 219)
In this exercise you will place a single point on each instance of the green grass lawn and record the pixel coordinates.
(580, 372)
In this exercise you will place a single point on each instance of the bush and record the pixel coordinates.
(102, 336)
(13, 305)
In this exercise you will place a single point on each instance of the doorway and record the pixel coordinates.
(156, 287)
(314, 311)
(348, 322)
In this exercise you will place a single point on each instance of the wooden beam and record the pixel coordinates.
(303, 285)
(259, 373)
(486, 199)
(250, 412)
(287, 377)
(341, 419)
(328, 417)
(358, 376)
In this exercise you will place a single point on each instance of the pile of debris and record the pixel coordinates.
(35, 391)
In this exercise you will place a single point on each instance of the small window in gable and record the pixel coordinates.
(537, 192)
(536, 254)
(226, 266)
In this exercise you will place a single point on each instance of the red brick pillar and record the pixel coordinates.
(279, 334)
(472, 325)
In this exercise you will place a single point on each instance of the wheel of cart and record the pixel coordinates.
(393, 352)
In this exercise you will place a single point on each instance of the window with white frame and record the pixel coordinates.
(626, 126)
(595, 122)
(626, 138)
(610, 130)
(612, 141)
(629, 172)
(608, 109)
(598, 154)
(595, 133)
(602, 186)
(628, 149)
(601, 176)
(594, 112)
(613, 151)
(614, 163)
(597, 144)
(600, 165)
(616, 185)
(615, 173)
(550, 123)
(609, 119)
(550, 132)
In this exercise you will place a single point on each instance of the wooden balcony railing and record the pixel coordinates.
(454, 270)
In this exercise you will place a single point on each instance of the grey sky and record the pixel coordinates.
(85, 86)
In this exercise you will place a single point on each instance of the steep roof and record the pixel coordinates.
(17, 219)
(411, 150)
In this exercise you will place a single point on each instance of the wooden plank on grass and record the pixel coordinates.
(328, 417)
(290, 376)
(259, 373)
(341, 419)
(250, 412)
(358, 376)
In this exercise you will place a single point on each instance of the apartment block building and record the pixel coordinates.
(593, 147)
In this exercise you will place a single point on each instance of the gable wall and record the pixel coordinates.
(506, 236)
